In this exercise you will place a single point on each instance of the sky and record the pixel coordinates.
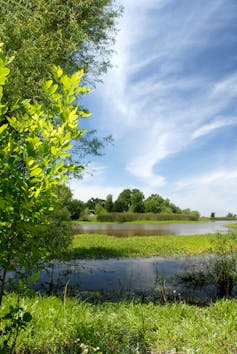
(170, 103)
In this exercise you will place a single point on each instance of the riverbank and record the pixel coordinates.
(69, 325)
(231, 226)
(96, 246)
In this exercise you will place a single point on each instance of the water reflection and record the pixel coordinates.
(128, 230)
(119, 276)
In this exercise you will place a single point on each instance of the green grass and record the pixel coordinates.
(231, 226)
(91, 246)
(60, 327)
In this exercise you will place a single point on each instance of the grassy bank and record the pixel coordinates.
(61, 327)
(89, 246)
(231, 226)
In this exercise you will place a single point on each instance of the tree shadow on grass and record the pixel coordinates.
(93, 253)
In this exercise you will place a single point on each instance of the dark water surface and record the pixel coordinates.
(127, 230)
(141, 275)
(114, 274)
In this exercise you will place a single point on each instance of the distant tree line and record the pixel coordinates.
(128, 201)
(229, 216)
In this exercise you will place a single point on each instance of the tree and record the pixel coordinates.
(92, 203)
(137, 197)
(153, 204)
(175, 209)
(35, 141)
(109, 203)
(123, 202)
(76, 208)
(230, 215)
(63, 195)
(74, 34)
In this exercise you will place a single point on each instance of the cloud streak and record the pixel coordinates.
(167, 90)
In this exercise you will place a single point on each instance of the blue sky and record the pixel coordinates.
(170, 103)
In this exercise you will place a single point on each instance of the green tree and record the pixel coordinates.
(35, 141)
(175, 209)
(92, 203)
(137, 198)
(109, 203)
(153, 204)
(100, 210)
(230, 215)
(76, 208)
(123, 202)
(74, 34)
(63, 195)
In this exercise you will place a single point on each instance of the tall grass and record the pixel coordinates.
(129, 216)
(61, 326)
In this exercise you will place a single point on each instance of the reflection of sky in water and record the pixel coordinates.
(139, 274)
(116, 274)
(126, 230)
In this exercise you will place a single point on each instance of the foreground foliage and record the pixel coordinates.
(74, 34)
(35, 142)
(63, 326)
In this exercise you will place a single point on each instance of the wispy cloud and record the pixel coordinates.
(216, 124)
(218, 178)
(166, 90)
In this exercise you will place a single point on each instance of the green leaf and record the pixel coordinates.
(36, 171)
(3, 74)
(3, 127)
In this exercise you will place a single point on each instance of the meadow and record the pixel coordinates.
(91, 246)
(70, 325)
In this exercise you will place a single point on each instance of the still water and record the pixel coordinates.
(143, 275)
(128, 230)
(114, 274)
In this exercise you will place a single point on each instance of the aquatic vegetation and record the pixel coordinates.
(91, 246)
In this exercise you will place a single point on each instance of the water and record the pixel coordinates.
(145, 275)
(141, 275)
(127, 230)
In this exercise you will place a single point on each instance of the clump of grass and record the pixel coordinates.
(61, 327)
(91, 246)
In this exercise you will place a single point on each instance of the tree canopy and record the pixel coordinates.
(75, 34)
(133, 200)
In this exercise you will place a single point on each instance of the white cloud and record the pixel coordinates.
(218, 178)
(216, 124)
(153, 107)
(156, 109)
(85, 190)
(226, 87)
